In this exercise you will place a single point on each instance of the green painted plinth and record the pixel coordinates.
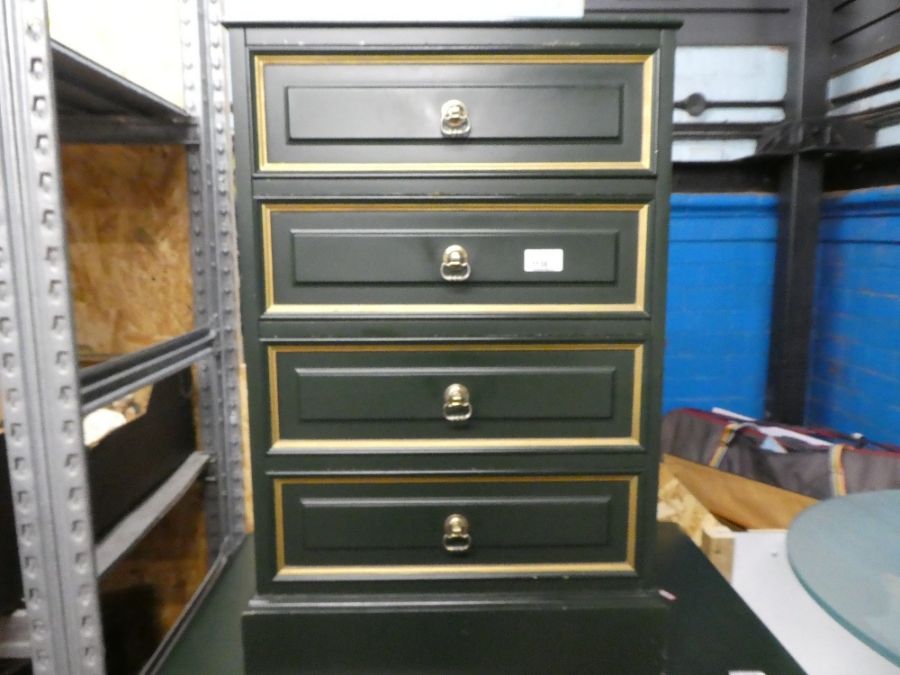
(475, 634)
(709, 628)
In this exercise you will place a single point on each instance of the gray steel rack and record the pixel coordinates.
(50, 94)
(87, 93)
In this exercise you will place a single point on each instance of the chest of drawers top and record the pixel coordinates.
(550, 98)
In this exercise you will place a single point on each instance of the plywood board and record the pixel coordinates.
(129, 245)
(677, 505)
(748, 503)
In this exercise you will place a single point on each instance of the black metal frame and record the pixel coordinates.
(112, 379)
(95, 105)
(860, 170)
(801, 181)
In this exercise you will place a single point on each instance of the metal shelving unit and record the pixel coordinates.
(48, 95)
(136, 524)
(85, 91)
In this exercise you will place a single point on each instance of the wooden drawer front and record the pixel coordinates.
(389, 259)
(394, 397)
(365, 527)
(375, 112)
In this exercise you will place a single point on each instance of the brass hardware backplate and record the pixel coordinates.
(457, 403)
(455, 119)
(456, 534)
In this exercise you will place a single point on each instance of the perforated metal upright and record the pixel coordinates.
(214, 262)
(39, 376)
(39, 364)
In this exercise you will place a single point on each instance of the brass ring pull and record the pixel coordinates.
(455, 264)
(456, 534)
(455, 119)
(457, 406)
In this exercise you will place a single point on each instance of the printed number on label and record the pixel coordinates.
(543, 260)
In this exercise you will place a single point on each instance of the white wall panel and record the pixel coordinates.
(138, 39)
(731, 73)
(712, 150)
(401, 10)
(887, 136)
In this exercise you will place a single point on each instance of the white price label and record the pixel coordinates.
(543, 260)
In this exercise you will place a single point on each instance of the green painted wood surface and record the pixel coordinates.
(211, 643)
(474, 634)
(603, 283)
(383, 393)
(383, 256)
(519, 522)
(320, 113)
(709, 629)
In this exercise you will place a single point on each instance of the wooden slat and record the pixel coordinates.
(718, 545)
(855, 16)
(867, 43)
(676, 504)
(676, 7)
(715, 22)
(740, 500)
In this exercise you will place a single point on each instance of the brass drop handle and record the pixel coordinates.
(455, 264)
(456, 534)
(457, 406)
(455, 119)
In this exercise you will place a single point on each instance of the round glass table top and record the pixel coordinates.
(846, 553)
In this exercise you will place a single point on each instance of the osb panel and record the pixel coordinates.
(678, 505)
(129, 245)
(747, 503)
(170, 560)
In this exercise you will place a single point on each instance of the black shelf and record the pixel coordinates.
(132, 528)
(95, 105)
(14, 637)
(110, 380)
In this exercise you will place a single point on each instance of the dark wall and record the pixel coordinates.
(862, 30)
(716, 22)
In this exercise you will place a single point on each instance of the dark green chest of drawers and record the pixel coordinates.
(452, 254)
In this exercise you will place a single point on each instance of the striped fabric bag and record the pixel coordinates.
(818, 463)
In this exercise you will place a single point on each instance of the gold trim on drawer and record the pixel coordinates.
(648, 62)
(295, 572)
(281, 446)
(273, 308)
